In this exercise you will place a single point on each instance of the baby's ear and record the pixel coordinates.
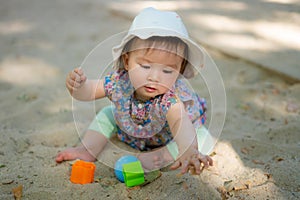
(125, 59)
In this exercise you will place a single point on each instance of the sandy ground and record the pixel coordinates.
(256, 157)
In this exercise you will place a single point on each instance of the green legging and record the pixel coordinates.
(105, 124)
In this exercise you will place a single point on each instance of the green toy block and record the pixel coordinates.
(133, 174)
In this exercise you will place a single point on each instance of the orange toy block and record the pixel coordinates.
(82, 172)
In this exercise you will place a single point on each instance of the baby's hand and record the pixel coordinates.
(194, 160)
(75, 79)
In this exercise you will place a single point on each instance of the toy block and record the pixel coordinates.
(133, 174)
(82, 172)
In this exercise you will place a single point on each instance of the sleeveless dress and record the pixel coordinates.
(143, 125)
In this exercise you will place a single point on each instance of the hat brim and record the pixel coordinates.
(195, 58)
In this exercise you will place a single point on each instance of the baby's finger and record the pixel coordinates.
(79, 71)
(83, 78)
(73, 84)
(73, 75)
(206, 160)
(70, 86)
(69, 81)
(176, 165)
(197, 165)
(185, 167)
(210, 161)
(76, 84)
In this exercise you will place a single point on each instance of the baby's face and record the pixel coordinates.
(152, 72)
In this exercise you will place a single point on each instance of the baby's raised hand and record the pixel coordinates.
(75, 79)
(192, 159)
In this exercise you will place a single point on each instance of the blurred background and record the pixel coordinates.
(254, 43)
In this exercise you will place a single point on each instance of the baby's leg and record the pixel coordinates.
(92, 144)
(204, 139)
(94, 140)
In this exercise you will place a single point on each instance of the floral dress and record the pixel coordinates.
(143, 125)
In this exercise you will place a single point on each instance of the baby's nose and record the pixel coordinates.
(153, 75)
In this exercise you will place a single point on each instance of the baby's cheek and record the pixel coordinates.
(137, 82)
(168, 83)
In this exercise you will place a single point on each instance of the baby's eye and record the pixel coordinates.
(168, 71)
(145, 66)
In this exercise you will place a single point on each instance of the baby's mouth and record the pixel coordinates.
(150, 89)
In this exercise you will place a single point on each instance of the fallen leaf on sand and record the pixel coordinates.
(17, 192)
(258, 162)
(277, 158)
(235, 185)
(213, 154)
(244, 107)
(27, 97)
(185, 186)
(151, 176)
(244, 150)
(223, 192)
(269, 176)
(7, 182)
(228, 185)
(240, 186)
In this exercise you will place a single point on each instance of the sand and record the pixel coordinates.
(256, 157)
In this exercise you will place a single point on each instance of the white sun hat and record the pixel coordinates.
(151, 22)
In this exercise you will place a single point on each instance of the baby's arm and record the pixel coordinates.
(83, 89)
(185, 136)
